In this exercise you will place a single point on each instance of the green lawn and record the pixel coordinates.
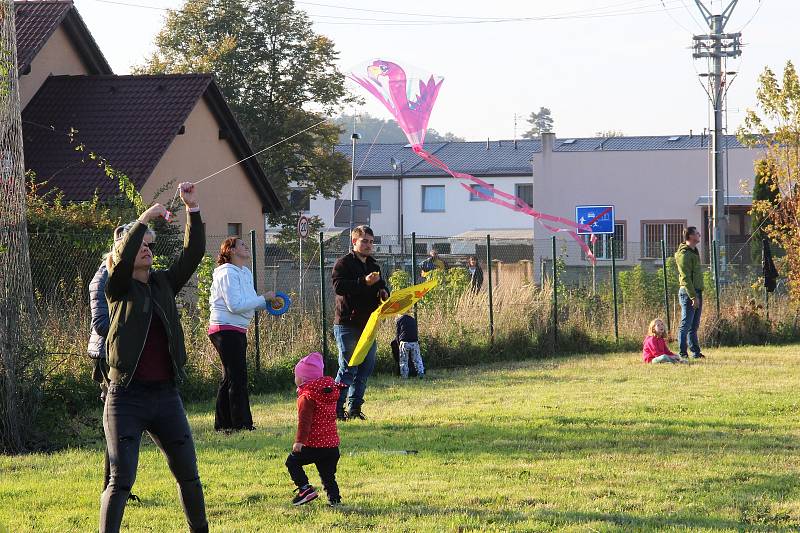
(575, 444)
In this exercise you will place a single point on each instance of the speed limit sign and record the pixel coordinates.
(302, 227)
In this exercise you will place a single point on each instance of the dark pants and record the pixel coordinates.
(157, 409)
(690, 322)
(325, 459)
(355, 377)
(233, 402)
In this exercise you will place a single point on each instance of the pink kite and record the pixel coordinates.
(411, 105)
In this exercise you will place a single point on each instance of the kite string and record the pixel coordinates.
(358, 172)
(178, 190)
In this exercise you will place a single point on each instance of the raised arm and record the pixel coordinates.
(194, 241)
(120, 275)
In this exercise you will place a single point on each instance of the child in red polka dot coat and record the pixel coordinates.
(317, 441)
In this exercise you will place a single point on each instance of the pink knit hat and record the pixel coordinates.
(310, 367)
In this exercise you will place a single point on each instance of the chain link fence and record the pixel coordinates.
(18, 368)
(543, 288)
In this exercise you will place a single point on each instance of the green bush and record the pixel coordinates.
(205, 277)
(399, 279)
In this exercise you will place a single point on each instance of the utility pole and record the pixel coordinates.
(718, 45)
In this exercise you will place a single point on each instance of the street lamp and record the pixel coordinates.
(398, 165)
(354, 137)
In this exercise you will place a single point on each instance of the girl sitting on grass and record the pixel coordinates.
(655, 349)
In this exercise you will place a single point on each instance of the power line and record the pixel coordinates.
(384, 22)
(127, 4)
(746, 24)
(597, 12)
(684, 28)
(691, 14)
(451, 17)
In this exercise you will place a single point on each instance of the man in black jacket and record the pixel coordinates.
(359, 290)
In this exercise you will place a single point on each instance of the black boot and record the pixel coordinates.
(355, 412)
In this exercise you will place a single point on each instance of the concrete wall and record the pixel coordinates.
(57, 57)
(226, 198)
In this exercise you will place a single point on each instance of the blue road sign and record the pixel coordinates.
(599, 217)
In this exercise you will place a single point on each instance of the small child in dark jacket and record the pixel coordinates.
(317, 440)
(408, 339)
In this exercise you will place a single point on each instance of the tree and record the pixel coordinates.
(609, 133)
(382, 131)
(764, 201)
(775, 126)
(540, 122)
(278, 76)
(288, 240)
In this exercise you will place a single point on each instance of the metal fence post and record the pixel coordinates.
(414, 264)
(614, 288)
(555, 296)
(491, 302)
(666, 286)
(255, 287)
(716, 275)
(322, 300)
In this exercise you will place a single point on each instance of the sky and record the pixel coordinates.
(598, 65)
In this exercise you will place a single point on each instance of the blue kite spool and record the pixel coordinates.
(283, 299)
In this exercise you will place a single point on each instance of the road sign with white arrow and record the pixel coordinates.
(598, 217)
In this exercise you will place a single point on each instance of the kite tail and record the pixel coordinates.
(512, 202)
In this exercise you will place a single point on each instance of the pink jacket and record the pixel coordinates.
(653, 347)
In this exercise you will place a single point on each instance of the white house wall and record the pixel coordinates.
(460, 213)
(642, 185)
(652, 185)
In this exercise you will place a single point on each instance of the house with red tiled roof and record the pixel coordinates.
(157, 130)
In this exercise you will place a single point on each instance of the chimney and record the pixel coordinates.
(515, 144)
(548, 141)
(487, 144)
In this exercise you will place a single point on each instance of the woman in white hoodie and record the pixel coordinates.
(233, 302)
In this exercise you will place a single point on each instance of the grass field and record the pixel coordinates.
(573, 444)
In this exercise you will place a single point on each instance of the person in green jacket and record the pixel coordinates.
(690, 294)
(146, 353)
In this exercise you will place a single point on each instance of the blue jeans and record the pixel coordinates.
(156, 408)
(354, 376)
(690, 322)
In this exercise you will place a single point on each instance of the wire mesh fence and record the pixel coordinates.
(491, 286)
(16, 302)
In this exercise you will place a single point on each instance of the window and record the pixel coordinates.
(372, 195)
(433, 198)
(654, 231)
(602, 246)
(234, 229)
(524, 191)
(441, 247)
(483, 190)
(300, 200)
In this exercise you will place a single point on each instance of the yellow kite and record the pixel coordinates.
(399, 302)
